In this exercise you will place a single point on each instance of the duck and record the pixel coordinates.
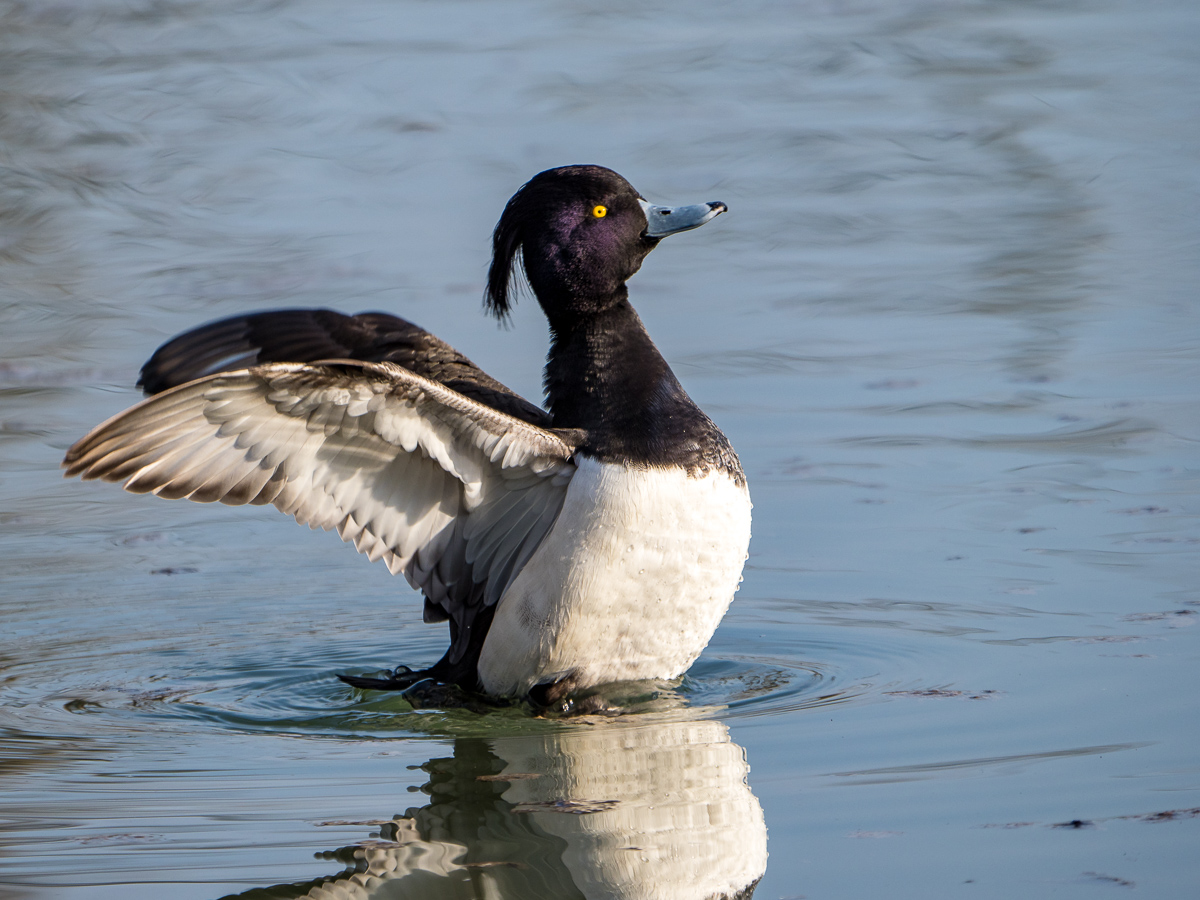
(597, 540)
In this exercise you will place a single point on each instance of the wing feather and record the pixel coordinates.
(454, 494)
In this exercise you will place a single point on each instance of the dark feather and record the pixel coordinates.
(313, 335)
(506, 243)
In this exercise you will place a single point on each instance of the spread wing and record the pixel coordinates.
(309, 335)
(452, 493)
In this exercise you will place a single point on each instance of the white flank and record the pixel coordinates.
(629, 584)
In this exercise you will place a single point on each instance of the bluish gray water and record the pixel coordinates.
(949, 323)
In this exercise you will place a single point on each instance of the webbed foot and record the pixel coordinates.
(399, 679)
(425, 690)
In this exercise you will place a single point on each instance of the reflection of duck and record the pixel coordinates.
(596, 543)
(623, 810)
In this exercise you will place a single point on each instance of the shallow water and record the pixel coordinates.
(949, 323)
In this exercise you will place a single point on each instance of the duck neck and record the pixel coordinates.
(605, 375)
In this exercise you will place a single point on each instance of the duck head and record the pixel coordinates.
(581, 232)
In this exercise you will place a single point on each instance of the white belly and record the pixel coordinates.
(629, 584)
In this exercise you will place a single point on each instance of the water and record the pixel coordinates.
(949, 323)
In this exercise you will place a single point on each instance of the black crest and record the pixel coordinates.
(506, 244)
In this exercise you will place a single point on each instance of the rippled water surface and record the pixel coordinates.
(950, 323)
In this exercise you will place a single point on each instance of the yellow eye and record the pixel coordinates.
(599, 211)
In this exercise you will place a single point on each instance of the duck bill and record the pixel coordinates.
(664, 220)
